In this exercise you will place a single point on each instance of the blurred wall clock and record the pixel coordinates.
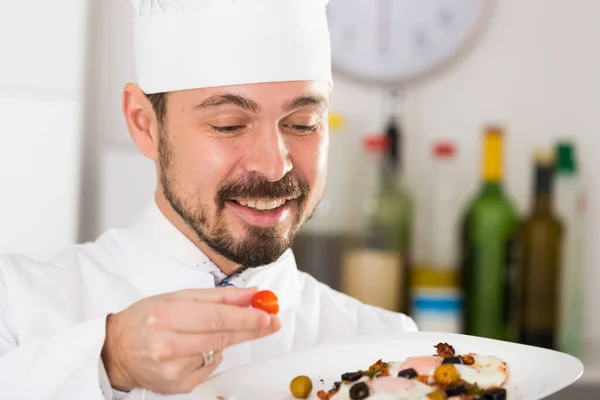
(394, 41)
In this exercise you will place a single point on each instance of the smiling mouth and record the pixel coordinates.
(263, 204)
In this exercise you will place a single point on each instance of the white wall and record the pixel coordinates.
(535, 70)
(42, 58)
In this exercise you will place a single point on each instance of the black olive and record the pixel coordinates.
(352, 376)
(359, 391)
(495, 394)
(337, 385)
(407, 373)
(452, 360)
(456, 390)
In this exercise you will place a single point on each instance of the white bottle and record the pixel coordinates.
(436, 297)
(570, 206)
(440, 219)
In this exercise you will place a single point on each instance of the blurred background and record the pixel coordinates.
(463, 179)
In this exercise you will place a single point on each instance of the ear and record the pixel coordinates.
(141, 120)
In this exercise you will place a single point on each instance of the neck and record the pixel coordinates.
(543, 203)
(388, 174)
(492, 187)
(227, 266)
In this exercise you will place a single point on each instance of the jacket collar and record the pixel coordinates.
(156, 228)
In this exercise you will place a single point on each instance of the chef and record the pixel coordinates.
(231, 103)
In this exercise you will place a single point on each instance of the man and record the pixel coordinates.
(232, 104)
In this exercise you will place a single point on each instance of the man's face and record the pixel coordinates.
(244, 166)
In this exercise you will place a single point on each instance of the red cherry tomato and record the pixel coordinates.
(266, 301)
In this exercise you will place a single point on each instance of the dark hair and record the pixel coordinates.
(159, 103)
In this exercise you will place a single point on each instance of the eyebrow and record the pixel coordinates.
(305, 101)
(219, 100)
(247, 104)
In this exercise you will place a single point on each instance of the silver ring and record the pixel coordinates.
(208, 357)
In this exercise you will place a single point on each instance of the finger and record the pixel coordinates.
(227, 295)
(186, 344)
(196, 317)
(201, 374)
(195, 361)
(189, 372)
(241, 299)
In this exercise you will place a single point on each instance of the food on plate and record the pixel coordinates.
(266, 301)
(422, 365)
(444, 376)
(407, 373)
(436, 396)
(301, 387)
(445, 350)
(467, 359)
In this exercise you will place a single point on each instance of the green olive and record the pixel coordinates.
(301, 386)
(436, 396)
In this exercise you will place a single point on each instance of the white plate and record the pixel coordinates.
(534, 373)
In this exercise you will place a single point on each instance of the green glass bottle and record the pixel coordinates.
(542, 235)
(488, 231)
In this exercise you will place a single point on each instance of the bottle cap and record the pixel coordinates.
(444, 149)
(376, 143)
(544, 157)
(494, 129)
(493, 151)
(565, 157)
(544, 168)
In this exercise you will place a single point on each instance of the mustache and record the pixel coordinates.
(260, 187)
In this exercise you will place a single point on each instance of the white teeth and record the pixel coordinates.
(262, 204)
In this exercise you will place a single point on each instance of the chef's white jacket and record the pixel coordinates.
(53, 311)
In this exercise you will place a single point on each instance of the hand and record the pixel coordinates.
(157, 343)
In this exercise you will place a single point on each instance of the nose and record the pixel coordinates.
(269, 155)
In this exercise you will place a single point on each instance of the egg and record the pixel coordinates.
(383, 396)
(388, 388)
(487, 371)
(422, 365)
(417, 392)
(390, 384)
(344, 392)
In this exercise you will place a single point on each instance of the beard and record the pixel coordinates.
(260, 245)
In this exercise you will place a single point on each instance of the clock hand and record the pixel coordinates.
(384, 25)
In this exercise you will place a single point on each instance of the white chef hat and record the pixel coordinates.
(188, 44)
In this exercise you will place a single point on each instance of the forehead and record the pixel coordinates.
(268, 95)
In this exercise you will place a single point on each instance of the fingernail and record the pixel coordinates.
(276, 323)
(265, 320)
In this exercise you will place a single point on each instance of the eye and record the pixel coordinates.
(304, 128)
(227, 129)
